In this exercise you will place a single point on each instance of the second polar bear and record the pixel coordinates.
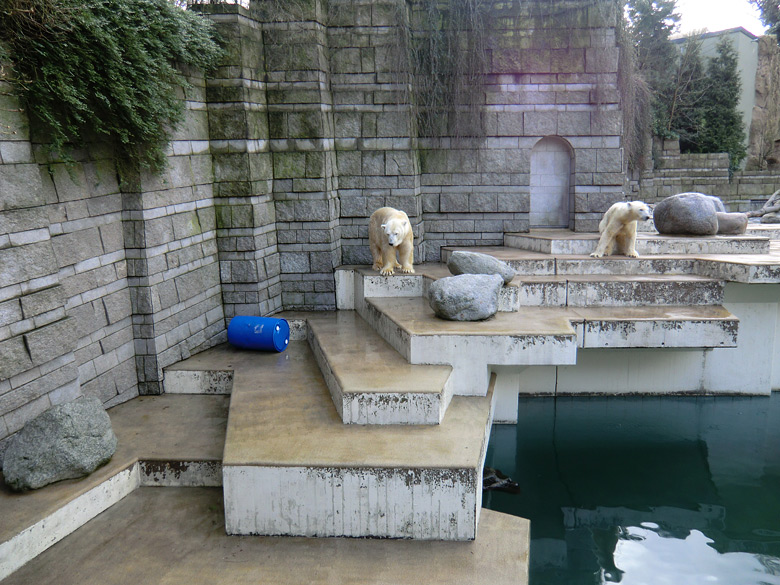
(389, 231)
(618, 226)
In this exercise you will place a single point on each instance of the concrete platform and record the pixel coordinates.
(533, 336)
(176, 536)
(567, 243)
(369, 381)
(292, 467)
(162, 441)
(619, 290)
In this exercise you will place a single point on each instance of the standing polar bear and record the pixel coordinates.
(389, 231)
(619, 226)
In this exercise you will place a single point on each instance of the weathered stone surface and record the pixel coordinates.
(466, 297)
(65, 442)
(688, 213)
(770, 218)
(732, 223)
(462, 262)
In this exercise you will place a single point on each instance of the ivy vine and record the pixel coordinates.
(104, 69)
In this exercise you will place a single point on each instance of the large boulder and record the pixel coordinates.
(688, 214)
(462, 262)
(732, 223)
(65, 442)
(466, 297)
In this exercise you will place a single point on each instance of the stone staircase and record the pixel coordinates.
(374, 423)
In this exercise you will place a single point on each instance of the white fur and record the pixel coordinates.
(389, 231)
(618, 226)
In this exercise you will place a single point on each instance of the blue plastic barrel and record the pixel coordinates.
(265, 333)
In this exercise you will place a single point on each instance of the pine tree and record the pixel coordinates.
(722, 129)
(651, 23)
(770, 15)
(685, 100)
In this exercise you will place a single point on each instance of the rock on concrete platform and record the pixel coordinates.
(688, 213)
(463, 262)
(467, 297)
(65, 442)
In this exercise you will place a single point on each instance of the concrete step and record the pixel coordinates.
(543, 336)
(684, 327)
(177, 537)
(291, 467)
(745, 268)
(369, 381)
(570, 243)
(528, 263)
(613, 291)
(169, 441)
(540, 335)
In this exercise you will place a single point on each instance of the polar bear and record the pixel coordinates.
(389, 231)
(619, 226)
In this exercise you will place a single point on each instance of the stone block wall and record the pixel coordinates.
(102, 285)
(374, 127)
(703, 173)
(552, 72)
(250, 269)
(300, 120)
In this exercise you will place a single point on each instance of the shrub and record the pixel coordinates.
(105, 68)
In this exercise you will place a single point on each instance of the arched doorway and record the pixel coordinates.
(551, 198)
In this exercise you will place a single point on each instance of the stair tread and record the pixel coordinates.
(365, 363)
(417, 318)
(281, 414)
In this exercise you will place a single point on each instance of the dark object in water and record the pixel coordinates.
(494, 479)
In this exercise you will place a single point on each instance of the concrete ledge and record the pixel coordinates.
(570, 243)
(612, 291)
(542, 336)
(191, 522)
(292, 467)
(657, 327)
(162, 440)
(62, 521)
(370, 383)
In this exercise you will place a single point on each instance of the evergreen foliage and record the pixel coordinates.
(684, 102)
(105, 69)
(651, 24)
(723, 130)
(770, 15)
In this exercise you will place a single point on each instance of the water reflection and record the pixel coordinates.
(645, 490)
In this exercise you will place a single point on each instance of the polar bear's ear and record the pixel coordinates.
(629, 205)
(383, 226)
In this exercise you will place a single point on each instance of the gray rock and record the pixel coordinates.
(466, 297)
(732, 223)
(770, 218)
(688, 214)
(462, 262)
(65, 442)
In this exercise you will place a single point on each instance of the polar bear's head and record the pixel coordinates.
(396, 230)
(640, 209)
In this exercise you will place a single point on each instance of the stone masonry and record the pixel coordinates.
(287, 148)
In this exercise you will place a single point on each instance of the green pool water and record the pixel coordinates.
(650, 491)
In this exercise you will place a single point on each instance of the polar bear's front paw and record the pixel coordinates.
(596, 255)
(633, 254)
(407, 269)
(387, 271)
